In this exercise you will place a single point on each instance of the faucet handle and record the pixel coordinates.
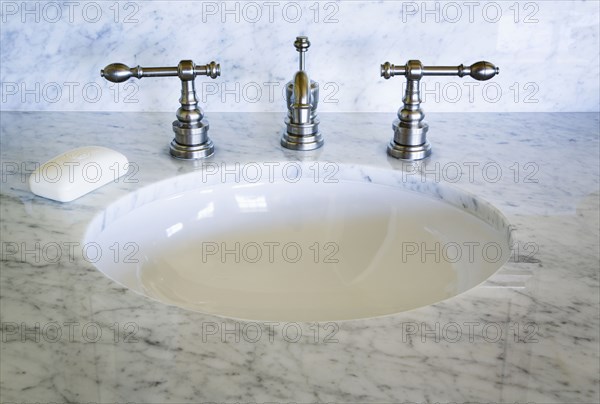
(410, 130)
(479, 71)
(414, 70)
(191, 130)
(185, 70)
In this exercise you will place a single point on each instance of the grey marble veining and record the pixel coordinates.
(544, 300)
(52, 53)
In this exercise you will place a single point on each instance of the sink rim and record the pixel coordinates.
(177, 184)
(441, 191)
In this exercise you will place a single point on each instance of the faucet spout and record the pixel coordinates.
(302, 98)
(301, 102)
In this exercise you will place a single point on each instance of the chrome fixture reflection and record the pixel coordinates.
(302, 97)
(410, 130)
(191, 130)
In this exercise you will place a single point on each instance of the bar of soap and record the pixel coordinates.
(77, 172)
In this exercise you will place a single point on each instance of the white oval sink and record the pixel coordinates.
(352, 242)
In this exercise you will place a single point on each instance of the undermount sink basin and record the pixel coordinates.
(299, 241)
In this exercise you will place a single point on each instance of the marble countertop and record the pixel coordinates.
(528, 334)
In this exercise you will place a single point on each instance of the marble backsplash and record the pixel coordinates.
(547, 51)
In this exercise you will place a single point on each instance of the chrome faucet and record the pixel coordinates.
(302, 97)
(410, 130)
(191, 130)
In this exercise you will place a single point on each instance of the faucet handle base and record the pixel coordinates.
(191, 141)
(183, 152)
(404, 152)
(302, 136)
(410, 140)
(304, 143)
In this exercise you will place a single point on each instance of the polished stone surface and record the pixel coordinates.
(547, 52)
(529, 333)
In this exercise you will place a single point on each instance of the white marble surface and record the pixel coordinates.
(547, 51)
(549, 289)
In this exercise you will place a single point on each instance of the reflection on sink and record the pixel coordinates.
(362, 242)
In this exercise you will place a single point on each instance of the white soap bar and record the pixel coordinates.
(77, 172)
